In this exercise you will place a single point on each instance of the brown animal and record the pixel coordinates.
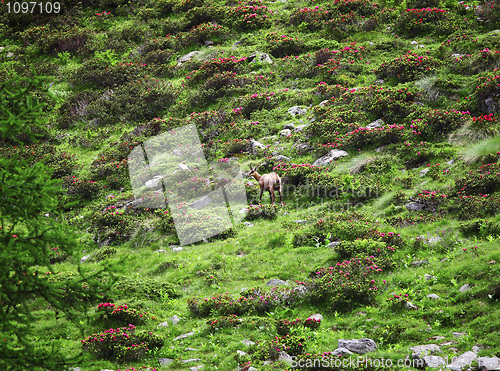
(267, 182)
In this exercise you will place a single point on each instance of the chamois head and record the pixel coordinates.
(252, 171)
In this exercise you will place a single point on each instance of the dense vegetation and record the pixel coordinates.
(409, 90)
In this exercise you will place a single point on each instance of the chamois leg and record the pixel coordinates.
(271, 194)
(279, 191)
(260, 198)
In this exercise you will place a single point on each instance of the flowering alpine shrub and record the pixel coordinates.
(280, 46)
(484, 180)
(397, 302)
(58, 40)
(82, 189)
(472, 64)
(122, 344)
(434, 124)
(479, 227)
(267, 211)
(312, 323)
(366, 138)
(283, 326)
(57, 255)
(215, 66)
(314, 18)
(271, 349)
(202, 33)
(113, 223)
(428, 21)
(419, 153)
(120, 314)
(341, 24)
(248, 16)
(228, 321)
(408, 67)
(362, 7)
(488, 86)
(477, 206)
(432, 200)
(349, 249)
(324, 90)
(258, 101)
(488, 123)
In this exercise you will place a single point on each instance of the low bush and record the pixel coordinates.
(408, 67)
(218, 323)
(247, 16)
(280, 46)
(428, 21)
(480, 228)
(110, 312)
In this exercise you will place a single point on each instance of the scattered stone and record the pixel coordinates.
(313, 119)
(281, 158)
(161, 251)
(341, 352)
(183, 336)
(85, 258)
(165, 361)
(248, 224)
(241, 353)
(322, 103)
(464, 360)
(74, 368)
(187, 57)
(451, 162)
(259, 57)
(428, 277)
(329, 157)
(375, 124)
(464, 288)
(300, 128)
(333, 244)
(190, 349)
(201, 203)
(174, 319)
(424, 172)
(163, 324)
(183, 167)
(492, 262)
(409, 305)
(488, 363)
(247, 342)
(252, 369)
(177, 248)
(427, 349)
(276, 282)
(433, 241)
(476, 349)
(296, 110)
(196, 368)
(290, 126)
(418, 263)
(379, 82)
(360, 346)
(434, 361)
(414, 42)
(433, 296)
(300, 221)
(284, 357)
(436, 338)
(255, 145)
(458, 334)
(285, 132)
(191, 360)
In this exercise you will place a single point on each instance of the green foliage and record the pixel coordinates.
(408, 67)
(120, 314)
(280, 46)
(219, 323)
(428, 21)
(145, 288)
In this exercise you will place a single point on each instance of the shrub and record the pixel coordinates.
(223, 322)
(202, 33)
(482, 181)
(113, 173)
(398, 302)
(408, 67)
(122, 344)
(283, 326)
(82, 189)
(215, 66)
(103, 254)
(470, 207)
(428, 21)
(247, 16)
(256, 102)
(145, 288)
(57, 255)
(120, 314)
(312, 323)
(435, 124)
(312, 18)
(282, 45)
(479, 227)
(270, 349)
(487, 90)
(349, 249)
(262, 212)
(113, 224)
(54, 41)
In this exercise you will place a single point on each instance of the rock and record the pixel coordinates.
(434, 241)
(201, 203)
(187, 57)
(414, 206)
(428, 277)
(427, 349)
(458, 334)
(464, 360)
(451, 162)
(433, 296)
(411, 306)
(300, 221)
(333, 244)
(281, 158)
(190, 349)
(464, 288)
(313, 119)
(191, 360)
(248, 224)
(255, 145)
(74, 369)
(247, 342)
(85, 258)
(290, 126)
(322, 103)
(418, 263)
(165, 361)
(316, 316)
(153, 183)
(284, 357)
(414, 42)
(259, 57)
(196, 368)
(177, 249)
(174, 319)
(276, 282)
(434, 361)
(300, 128)
(252, 369)
(163, 324)
(183, 336)
(379, 82)
(297, 111)
(375, 124)
(424, 172)
(476, 349)
(183, 167)
(329, 157)
(341, 352)
(241, 353)
(488, 363)
(359, 346)
(285, 132)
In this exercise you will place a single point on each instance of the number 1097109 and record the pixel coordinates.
(33, 7)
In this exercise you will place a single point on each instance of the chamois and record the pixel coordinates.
(267, 182)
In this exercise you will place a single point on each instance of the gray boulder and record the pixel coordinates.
(434, 361)
(375, 124)
(462, 361)
(424, 172)
(433, 296)
(259, 57)
(281, 158)
(297, 111)
(285, 132)
(183, 336)
(289, 125)
(488, 363)
(276, 282)
(86, 258)
(201, 203)
(427, 349)
(359, 346)
(165, 361)
(153, 183)
(329, 157)
(300, 128)
(341, 352)
(464, 288)
(414, 206)
(187, 57)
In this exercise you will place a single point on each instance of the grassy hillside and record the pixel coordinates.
(410, 91)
